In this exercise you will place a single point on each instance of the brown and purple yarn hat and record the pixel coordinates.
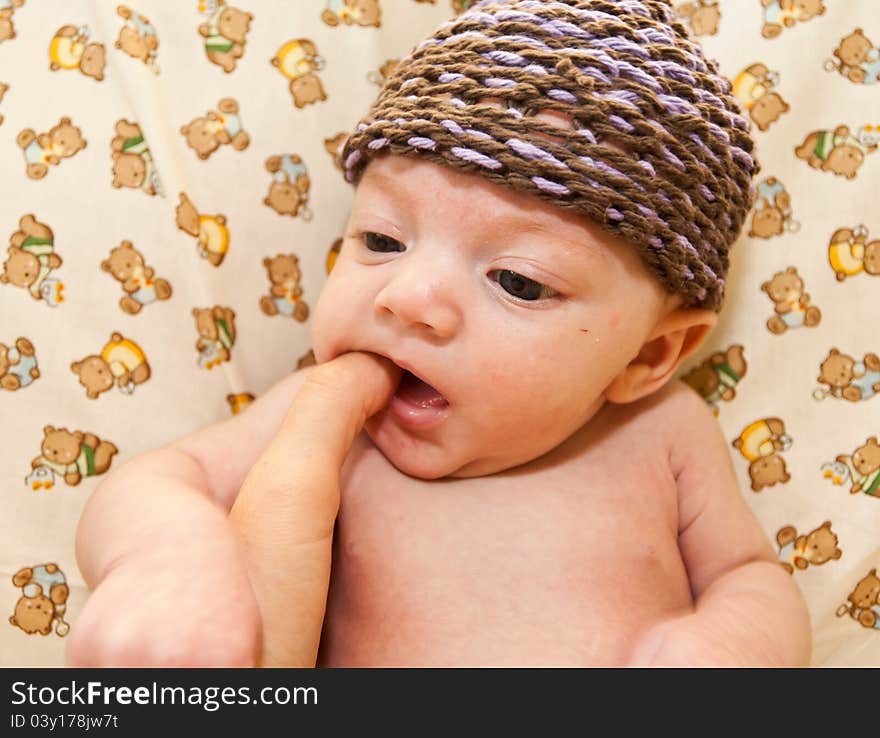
(657, 151)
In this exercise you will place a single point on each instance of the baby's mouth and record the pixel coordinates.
(418, 392)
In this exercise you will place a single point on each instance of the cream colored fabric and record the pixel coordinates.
(177, 84)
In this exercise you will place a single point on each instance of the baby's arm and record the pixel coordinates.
(168, 573)
(747, 609)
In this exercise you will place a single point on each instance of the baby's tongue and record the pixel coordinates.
(415, 391)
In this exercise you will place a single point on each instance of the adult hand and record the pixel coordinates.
(287, 505)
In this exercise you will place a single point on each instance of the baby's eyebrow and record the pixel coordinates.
(573, 245)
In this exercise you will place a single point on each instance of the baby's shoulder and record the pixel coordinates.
(674, 409)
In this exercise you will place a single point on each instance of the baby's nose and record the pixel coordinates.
(420, 296)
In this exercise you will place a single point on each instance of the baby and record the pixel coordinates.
(546, 195)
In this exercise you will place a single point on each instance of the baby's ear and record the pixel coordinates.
(676, 336)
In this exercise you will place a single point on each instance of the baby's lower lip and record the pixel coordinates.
(417, 403)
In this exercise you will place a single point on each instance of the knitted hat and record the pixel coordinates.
(675, 181)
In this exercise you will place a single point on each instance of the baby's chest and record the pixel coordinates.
(529, 556)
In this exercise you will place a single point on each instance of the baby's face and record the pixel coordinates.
(518, 312)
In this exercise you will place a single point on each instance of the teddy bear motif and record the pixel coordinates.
(221, 126)
(785, 13)
(298, 60)
(847, 378)
(43, 600)
(378, 76)
(285, 293)
(818, 547)
(332, 255)
(225, 32)
(210, 230)
(239, 402)
(75, 455)
(334, 147)
(18, 364)
(862, 468)
(121, 362)
(31, 258)
(126, 265)
(132, 161)
(138, 37)
(70, 49)
(352, 12)
(863, 603)
(701, 16)
(752, 87)
(289, 191)
(838, 151)
(216, 329)
(7, 9)
(715, 378)
(3, 89)
(759, 443)
(42, 149)
(773, 212)
(790, 302)
(849, 254)
(307, 359)
(856, 58)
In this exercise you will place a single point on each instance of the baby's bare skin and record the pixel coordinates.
(565, 560)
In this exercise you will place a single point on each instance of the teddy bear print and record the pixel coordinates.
(773, 213)
(715, 379)
(18, 364)
(43, 600)
(225, 32)
(289, 191)
(74, 455)
(70, 49)
(126, 265)
(849, 254)
(42, 149)
(701, 16)
(132, 161)
(378, 76)
(856, 58)
(138, 37)
(298, 60)
(785, 13)
(838, 151)
(847, 378)
(791, 303)
(221, 126)
(332, 255)
(818, 547)
(759, 442)
(334, 147)
(121, 362)
(7, 28)
(3, 89)
(210, 230)
(216, 329)
(307, 359)
(285, 294)
(239, 402)
(752, 87)
(352, 12)
(31, 258)
(863, 603)
(861, 468)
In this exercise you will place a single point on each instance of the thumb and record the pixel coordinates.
(287, 505)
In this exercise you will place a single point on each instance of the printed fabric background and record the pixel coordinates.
(172, 199)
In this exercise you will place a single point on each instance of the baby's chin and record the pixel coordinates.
(426, 459)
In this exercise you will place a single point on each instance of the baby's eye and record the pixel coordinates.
(522, 287)
(382, 244)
